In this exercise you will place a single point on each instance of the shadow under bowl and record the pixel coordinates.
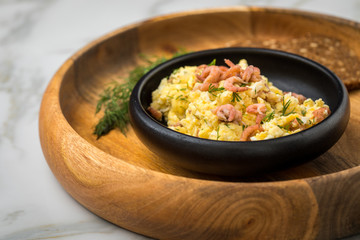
(288, 72)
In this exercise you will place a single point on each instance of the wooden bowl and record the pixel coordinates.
(120, 180)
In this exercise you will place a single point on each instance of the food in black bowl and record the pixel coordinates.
(232, 119)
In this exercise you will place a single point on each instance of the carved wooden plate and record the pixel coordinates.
(120, 180)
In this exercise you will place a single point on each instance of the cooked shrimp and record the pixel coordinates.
(228, 113)
(321, 113)
(155, 113)
(229, 63)
(301, 98)
(229, 84)
(295, 124)
(223, 68)
(199, 71)
(234, 70)
(223, 73)
(250, 131)
(178, 124)
(205, 86)
(251, 74)
(259, 109)
(210, 74)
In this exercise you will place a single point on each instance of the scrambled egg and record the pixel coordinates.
(189, 110)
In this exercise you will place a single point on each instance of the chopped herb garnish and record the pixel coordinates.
(269, 117)
(213, 89)
(181, 97)
(213, 62)
(217, 133)
(285, 108)
(176, 71)
(235, 97)
(299, 121)
(303, 112)
(115, 99)
(286, 127)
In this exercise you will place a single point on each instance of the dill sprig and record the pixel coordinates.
(213, 62)
(269, 117)
(115, 99)
(236, 97)
(285, 108)
(299, 121)
(217, 133)
(213, 89)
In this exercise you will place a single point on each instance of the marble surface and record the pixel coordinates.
(36, 37)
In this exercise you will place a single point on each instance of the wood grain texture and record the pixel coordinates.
(122, 181)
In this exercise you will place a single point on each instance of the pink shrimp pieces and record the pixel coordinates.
(205, 86)
(295, 124)
(321, 113)
(259, 109)
(301, 98)
(155, 113)
(209, 76)
(234, 70)
(229, 84)
(228, 113)
(251, 74)
(250, 131)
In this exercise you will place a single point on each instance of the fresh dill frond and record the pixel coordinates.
(285, 108)
(236, 97)
(286, 127)
(213, 89)
(178, 97)
(115, 99)
(299, 121)
(269, 117)
(213, 62)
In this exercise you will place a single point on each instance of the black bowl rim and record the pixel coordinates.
(305, 133)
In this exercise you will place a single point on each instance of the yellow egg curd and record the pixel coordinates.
(232, 103)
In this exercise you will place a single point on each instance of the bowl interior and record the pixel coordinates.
(287, 71)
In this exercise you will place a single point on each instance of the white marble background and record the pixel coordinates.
(36, 37)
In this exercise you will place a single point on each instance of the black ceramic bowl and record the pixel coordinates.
(288, 72)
